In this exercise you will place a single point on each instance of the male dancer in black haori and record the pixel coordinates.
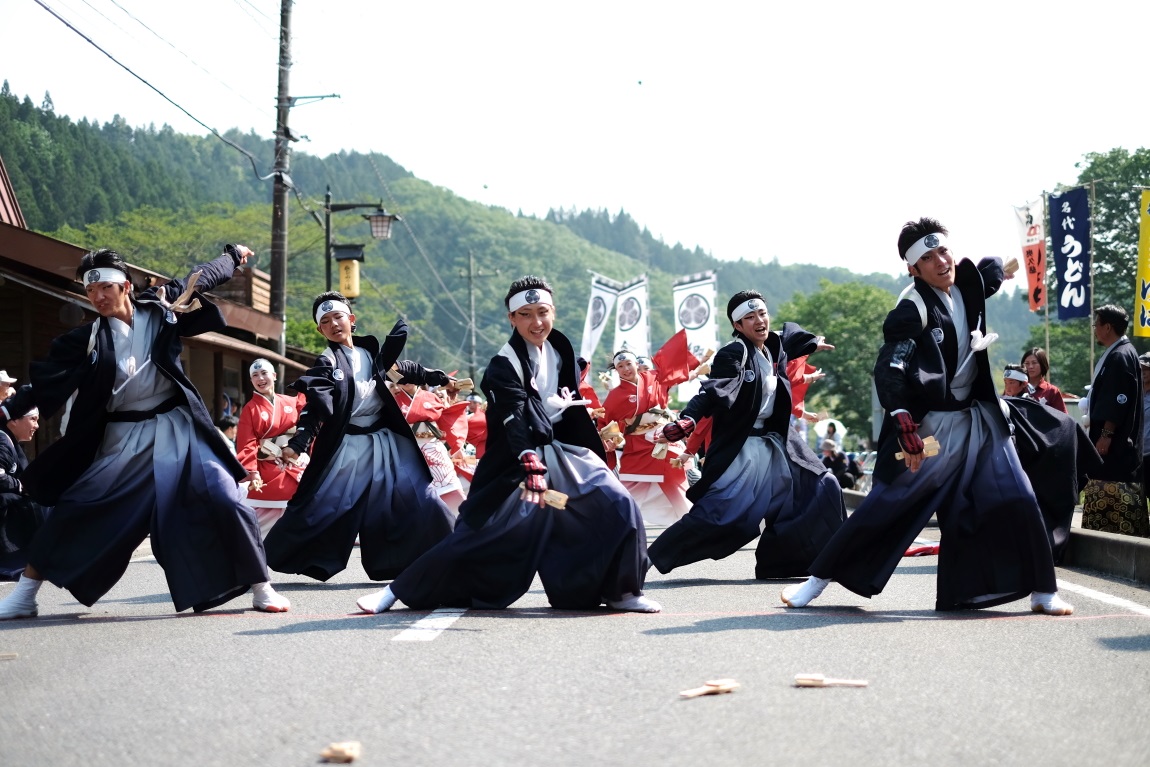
(366, 476)
(540, 436)
(760, 478)
(139, 455)
(933, 378)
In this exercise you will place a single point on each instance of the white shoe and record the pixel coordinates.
(635, 603)
(377, 602)
(801, 594)
(266, 599)
(21, 603)
(1050, 604)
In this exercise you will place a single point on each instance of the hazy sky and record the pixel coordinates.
(804, 131)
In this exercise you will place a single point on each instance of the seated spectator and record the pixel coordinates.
(845, 469)
(19, 514)
(1015, 383)
(227, 425)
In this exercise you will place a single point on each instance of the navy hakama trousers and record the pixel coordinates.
(153, 477)
(994, 547)
(791, 509)
(592, 551)
(376, 487)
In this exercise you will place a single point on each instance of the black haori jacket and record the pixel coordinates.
(517, 421)
(734, 407)
(1116, 396)
(83, 361)
(328, 386)
(918, 360)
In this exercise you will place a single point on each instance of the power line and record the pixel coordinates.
(126, 68)
(161, 38)
(261, 13)
(423, 253)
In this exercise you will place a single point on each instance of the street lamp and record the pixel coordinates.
(380, 221)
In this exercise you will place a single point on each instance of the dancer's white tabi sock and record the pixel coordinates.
(1050, 604)
(21, 603)
(266, 599)
(801, 594)
(377, 602)
(635, 603)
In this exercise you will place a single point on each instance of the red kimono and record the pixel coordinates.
(658, 487)
(261, 419)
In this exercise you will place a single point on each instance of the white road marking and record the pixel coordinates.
(426, 629)
(1125, 604)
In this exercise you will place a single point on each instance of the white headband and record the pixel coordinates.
(331, 306)
(924, 246)
(745, 308)
(32, 411)
(1016, 375)
(261, 364)
(624, 356)
(531, 296)
(104, 274)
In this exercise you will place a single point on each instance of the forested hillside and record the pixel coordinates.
(166, 199)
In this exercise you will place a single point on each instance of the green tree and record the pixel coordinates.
(1118, 177)
(850, 316)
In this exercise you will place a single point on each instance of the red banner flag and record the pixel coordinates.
(1033, 234)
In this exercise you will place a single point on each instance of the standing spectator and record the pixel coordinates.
(1037, 366)
(1113, 500)
(141, 456)
(19, 514)
(6, 382)
(227, 426)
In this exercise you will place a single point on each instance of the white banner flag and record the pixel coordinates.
(632, 325)
(602, 301)
(694, 300)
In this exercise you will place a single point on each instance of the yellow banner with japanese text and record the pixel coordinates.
(1142, 284)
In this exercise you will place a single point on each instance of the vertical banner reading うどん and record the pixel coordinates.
(1070, 240)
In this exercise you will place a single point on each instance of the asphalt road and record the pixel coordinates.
(129, 682)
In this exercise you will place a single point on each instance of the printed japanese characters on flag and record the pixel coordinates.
(632, 325)
(1142, 283)
(1070, 239)
(603, 294)
(1032, 231)
(694, 298)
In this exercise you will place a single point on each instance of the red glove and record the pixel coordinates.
(679, 430)
(908, 433)
(535, 471)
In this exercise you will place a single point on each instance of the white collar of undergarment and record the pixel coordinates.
(546, 369)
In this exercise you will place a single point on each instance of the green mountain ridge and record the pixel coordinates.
(166, 199)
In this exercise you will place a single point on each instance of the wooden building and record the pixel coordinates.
(40, 299)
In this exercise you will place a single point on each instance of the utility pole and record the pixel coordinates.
(281, 187)
(471, 275)
(471, 295)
